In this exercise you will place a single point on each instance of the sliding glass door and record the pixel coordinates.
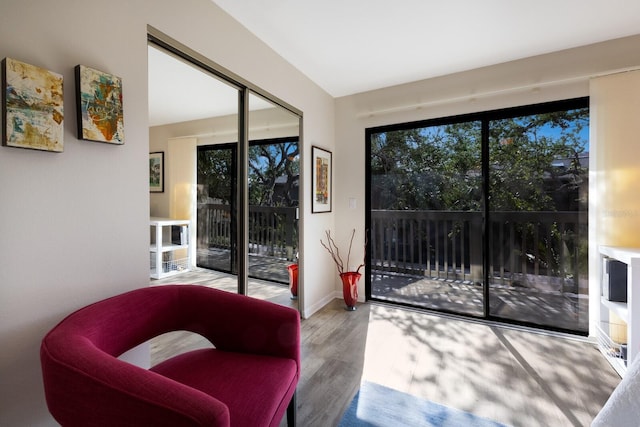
(234, 170)
(217, 227)
(425, 217)
(274, 176)
(537, 229)
(273, 207)
(483, 215)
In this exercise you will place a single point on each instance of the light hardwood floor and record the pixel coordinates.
(510, 375)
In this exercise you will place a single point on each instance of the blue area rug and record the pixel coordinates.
(378, 406)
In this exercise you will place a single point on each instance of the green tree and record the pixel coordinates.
(215, 175)
(273, 174)
(532, 155)
(535, 163)
(426, 168)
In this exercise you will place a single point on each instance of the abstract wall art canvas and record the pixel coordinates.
(32, 107)
(99, 105)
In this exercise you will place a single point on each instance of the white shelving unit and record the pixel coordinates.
(629, 312)
(169, 249)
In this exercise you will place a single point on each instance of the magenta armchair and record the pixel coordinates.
(248, 379)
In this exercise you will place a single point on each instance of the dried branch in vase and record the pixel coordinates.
(332, 248)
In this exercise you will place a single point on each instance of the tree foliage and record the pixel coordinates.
(534, 164)
(273, 174)
(216, 171)
(535, 161)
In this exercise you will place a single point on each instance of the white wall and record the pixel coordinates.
(74, 225)
(551, 77)
(614, 208)
(206, 131)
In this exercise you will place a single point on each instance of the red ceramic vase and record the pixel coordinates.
(350, 288)
(293, 280)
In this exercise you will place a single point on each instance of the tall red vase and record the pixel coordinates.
(350, 288)
(293, 280)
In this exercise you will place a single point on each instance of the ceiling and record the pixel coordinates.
(352, 46)
(179, 92)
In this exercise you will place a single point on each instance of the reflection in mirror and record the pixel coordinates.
(274, 177)
(194, 120)
(191, 110)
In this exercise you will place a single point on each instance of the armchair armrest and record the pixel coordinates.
(85, 383)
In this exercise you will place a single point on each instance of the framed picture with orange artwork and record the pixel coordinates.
(321, 181)
(99, 106)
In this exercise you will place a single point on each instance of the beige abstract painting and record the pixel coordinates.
(33, 107)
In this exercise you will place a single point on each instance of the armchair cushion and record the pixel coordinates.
(246, 405)
(247, 379)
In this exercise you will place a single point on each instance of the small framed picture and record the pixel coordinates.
(321, 180)
(156, 172)
(99, 106)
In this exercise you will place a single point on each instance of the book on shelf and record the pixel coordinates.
(179, 235)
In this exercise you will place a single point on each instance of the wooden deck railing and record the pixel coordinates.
(436, 244)
(546, 250)
(272, 231)
(532, 249)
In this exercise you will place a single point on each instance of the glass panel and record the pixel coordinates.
(216, 197)
(216, 176)
(538, 181)
(426, 222)
(202, 133)
(274, 176)
(194, 108)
